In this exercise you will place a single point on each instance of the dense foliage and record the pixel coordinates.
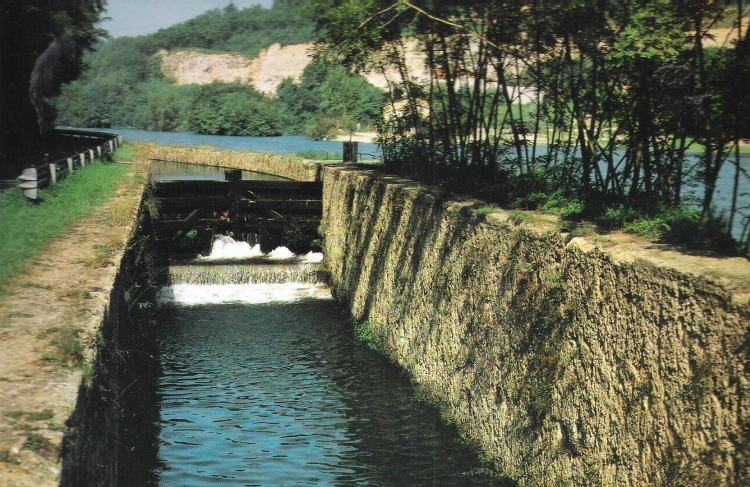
(124, 86)
(233, 30)
(233, 109)
(329, 99)
(587, 107)
(28, 28)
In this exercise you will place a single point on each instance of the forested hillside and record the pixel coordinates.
(125, 87)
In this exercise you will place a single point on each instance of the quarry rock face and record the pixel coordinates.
(266, 71)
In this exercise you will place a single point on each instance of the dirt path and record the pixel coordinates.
(49, 316)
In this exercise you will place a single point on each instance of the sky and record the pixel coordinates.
(140, 17)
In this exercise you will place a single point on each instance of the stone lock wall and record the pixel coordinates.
(289, 167)
(563, 364)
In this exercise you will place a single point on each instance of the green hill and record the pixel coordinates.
(125, 87)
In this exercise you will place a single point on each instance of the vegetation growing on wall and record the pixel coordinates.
(594, 106)
(560, 362)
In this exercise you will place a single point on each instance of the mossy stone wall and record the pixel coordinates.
(565, 365)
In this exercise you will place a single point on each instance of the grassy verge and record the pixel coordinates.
(319, 155)
(26, 227)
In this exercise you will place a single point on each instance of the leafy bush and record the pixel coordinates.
(687, 228)
(562, 203)
(233, 109)
(616, 217)
(323, 128)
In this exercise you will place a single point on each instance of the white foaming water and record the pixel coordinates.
(312, 257)
(281, 253)
(191, 294)
(227, 248)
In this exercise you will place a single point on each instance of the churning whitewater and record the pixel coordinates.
(226, 248)
(268, 289)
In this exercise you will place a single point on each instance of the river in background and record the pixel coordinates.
(285, 144)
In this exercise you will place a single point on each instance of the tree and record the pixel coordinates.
(28, 29)
(233, 109)
(615, 94)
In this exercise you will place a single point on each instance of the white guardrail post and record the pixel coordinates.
(30, 182)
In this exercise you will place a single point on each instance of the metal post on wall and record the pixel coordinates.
(351, 151)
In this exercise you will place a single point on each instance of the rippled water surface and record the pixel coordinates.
(278, 394)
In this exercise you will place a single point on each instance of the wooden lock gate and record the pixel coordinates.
(268, 212)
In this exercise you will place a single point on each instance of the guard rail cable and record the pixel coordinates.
(34, 178)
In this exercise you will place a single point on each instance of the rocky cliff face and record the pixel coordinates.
(267, 70)
(277, 62)
(565, 364)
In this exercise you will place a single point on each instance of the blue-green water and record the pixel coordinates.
(287, 144)
(281, 393)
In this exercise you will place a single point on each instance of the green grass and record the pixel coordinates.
(5, 457)
(485, 210)
(125, 153)
(40, 415)
(319, 155)
(518, 216)
(26, 228)
(67, 348)
(34, 442)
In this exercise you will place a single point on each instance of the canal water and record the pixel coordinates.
(265, 384)
(171, 171)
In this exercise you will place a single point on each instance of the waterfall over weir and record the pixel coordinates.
(236, 272)
(263, 383)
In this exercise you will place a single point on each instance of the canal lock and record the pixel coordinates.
(116, 430)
